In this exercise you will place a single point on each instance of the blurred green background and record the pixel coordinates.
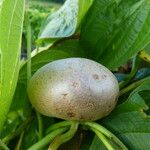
(38, 11)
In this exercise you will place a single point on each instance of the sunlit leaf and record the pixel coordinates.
(66, 20)
(11, 23)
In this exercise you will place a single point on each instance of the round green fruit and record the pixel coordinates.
(74, 89)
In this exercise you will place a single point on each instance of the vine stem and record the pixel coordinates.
(59, 125)
(135, 66)
(47, 139)
(107, 133)
(133, 86)
(18, 146)
(3, 146)
(103, 139)
(29, 39)
(29, 71)
(40, 124)
(64, 137)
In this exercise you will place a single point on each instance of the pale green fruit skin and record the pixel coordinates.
(74, 89)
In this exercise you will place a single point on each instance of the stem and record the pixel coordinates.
(47, 139)
(17, 132)
(107, 133)
(28, 28)
(40, 123)
(133, 86)
(29, 74)
(37, 49)
(103, 139)
(3, 146)
(20, 141)
(59, 125)
(64, 137)
(135, 66)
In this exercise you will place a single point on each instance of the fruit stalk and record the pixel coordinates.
(103, 139)
(47, 139)
(59, 125)
(58, 141)
(101, 129)
(133, 86)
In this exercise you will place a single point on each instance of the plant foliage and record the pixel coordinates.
(11, 24)
(115, 33)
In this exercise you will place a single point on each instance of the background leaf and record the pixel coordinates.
(66, 20)
(11, 23)
(147, 49)
(20, 97)
(118, 33)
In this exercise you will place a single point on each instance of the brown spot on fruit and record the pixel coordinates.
(95, 76)
(90, 104)
(65, 95)
(70, 114)
(75, 84)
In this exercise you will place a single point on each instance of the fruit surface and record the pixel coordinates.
(74, 89)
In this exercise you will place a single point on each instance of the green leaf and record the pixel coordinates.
(83, 6)
(20, 97)
(66, 20)
(71, 46)
(119, 32)
(147, 49)
(11, 24)
(97, 144)
(129, 122)
(97, 27)
(133, 36)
